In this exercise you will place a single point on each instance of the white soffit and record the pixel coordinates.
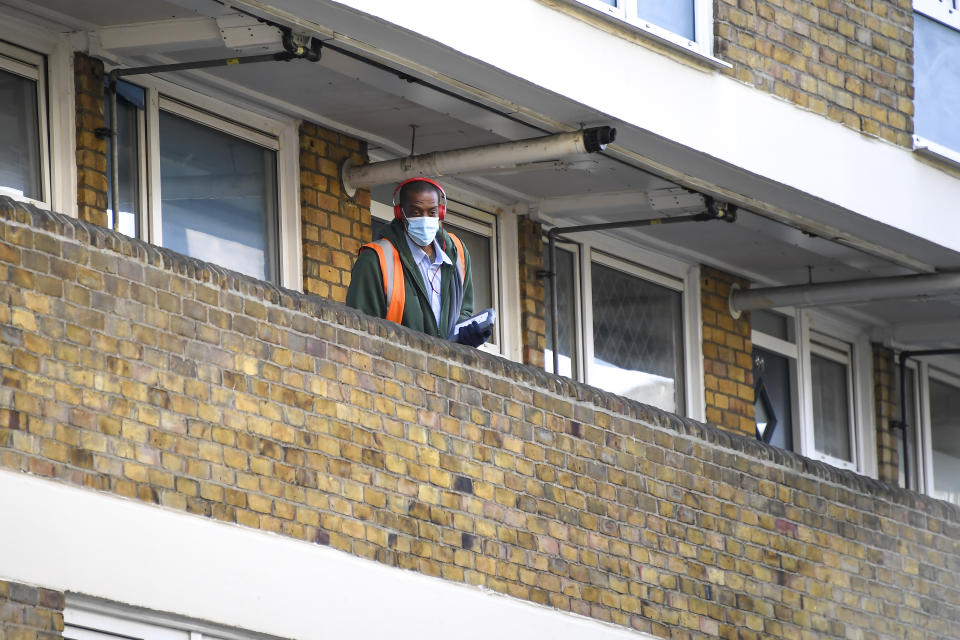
(702, 110)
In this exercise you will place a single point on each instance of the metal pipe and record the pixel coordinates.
(441, 163)
(848, 291)
(114, 154)
(202, 64)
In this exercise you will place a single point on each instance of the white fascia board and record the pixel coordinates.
(705, 111)
(169, 561)
(161, 37)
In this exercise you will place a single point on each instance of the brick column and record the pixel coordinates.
(30, 613)
(334, 226)
(532, 291)
(887, 410)
(727, 355)
(91, 150)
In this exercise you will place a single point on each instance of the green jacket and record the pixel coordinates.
(366, 285)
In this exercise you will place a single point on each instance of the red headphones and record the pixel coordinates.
(398, 210)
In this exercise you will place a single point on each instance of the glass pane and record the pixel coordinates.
(675, 15)
(19, 137)
(772, 324)
(219, 197)
(566, 327)
(771, 374)
(937, 73)
(479, 248)
(945, 437)
(912, 424)
(129, 154)
(831, 407)
(637, 339)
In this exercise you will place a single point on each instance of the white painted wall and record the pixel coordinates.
(703, 110)
(81, 541)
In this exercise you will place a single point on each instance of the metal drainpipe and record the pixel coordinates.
(439, 163)
(114, 154)
(904, 438)
(715, 211)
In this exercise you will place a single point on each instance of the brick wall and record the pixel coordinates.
(851, 61)
(885, 396)
(334, 226)
(129, 369)
(532, 291)
(30, 613)
(727, 355)
(91, 150)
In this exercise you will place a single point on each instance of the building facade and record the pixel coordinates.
(721, 399)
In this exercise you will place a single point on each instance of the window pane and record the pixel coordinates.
(675, 15)
(937, 73)
(774, 404)
(945, 437)
(129, 154)
(912, 424)
(19, 136)
(219, 197)
(566, 326)
(479, 248)
(772, 324)
(637, 339)
(831, 407)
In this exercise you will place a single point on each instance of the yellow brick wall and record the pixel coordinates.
(532, 291)
(885, 395)
(334, 226)
(851, 61)
(30, 613)
(91, 150)
(135, 371)
(727, 355)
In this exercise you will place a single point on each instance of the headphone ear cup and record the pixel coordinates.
(397, 211)
(441, 211)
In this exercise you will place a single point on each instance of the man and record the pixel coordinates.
(417, 274)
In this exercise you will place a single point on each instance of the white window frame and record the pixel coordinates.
(658, 269)
(940, 11)
(578, 307)
(942, 370)
(483, 223)
(917, 422)
(87, 618)
(272, 132)
(791, 351)
(626, 13)
(32, 66)
(839, 352)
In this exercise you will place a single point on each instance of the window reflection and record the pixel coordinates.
(20, 173)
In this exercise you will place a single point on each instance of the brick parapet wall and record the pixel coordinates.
(532, 291)
(91, 150)
(727, 355)
(132, 370)
(885, 396)
(334, 226)
(30, 613)
(851, 61)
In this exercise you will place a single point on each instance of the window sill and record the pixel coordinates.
(616, 25)
(930, 149)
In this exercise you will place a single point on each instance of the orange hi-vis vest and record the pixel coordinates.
(392, 270)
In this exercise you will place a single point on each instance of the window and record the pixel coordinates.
(908, 458)
(774, 377)
(622, 327)
(568, 355)
(214, 184)
(687, 24)
(23, 125)
(831, 375)
(937, 76)
(478, 230)
(945, 436)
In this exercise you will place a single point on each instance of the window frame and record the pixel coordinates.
(840, 352)
(791, 351)
(917, 391)
(625, 13)
(578, 308)
(32, 66)
(947, 372)
(938, 11)
(267, 130)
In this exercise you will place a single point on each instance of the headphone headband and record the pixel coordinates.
(441, 208)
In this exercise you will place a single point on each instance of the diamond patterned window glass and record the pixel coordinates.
(637, 339)
(568, 356)
(774, 399)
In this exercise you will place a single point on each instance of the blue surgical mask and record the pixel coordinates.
(423, 229)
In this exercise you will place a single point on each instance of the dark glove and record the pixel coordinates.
(472, 335)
